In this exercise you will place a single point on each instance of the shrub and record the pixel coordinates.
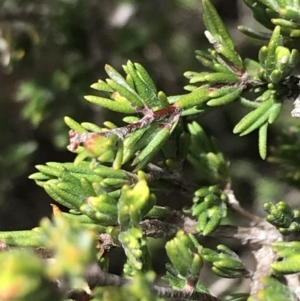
(114, 190)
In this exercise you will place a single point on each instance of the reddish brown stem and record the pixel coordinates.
(149, 117)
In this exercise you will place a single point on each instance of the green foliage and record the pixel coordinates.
(182, 251)
(108, 191)
(272, 287)
(226, 263)
(210, 207)
(23, 278)
(135, 246)
(206, 157)
(72, 246)
(272, 13)
(288, 251)
(283, 217)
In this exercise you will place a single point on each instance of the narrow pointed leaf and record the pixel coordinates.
(110, 104)
(102, 86)
(72, 124)
(285, 23)
(253, 116)
(144, 90)
(211, 64)
(154, 146)
(254, 33)
(273, 4)
(225, 99)
(128, 93)
(262, 140)
(290, 13)
(259, 13)
(195, 98)
(271, 56)
(215, 25)
(274, 112)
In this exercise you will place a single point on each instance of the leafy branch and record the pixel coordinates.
(110, 192)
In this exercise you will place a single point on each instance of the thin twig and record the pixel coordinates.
(253, 235)
(96, 277)
(170, 293)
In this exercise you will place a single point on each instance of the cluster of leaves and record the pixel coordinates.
(283, 217)
(209, 208)
(108, 189)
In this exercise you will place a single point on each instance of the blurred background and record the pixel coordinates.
(52, 51)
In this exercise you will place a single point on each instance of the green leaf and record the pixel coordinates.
(152, 148)
(272, 289)
(262, 56)
(285, 23)
(226, 263)
(72, 124)
(24, 277)
(282, 3)
(209, 208)
(146, 77)
(119, 84)
(143, 84)
(271, 55)
(294, 58)
(290, 13)
(163, 99)
(104, 204)
(215, 25)
(91, 127)
(184, 258)
(206, 157)
(272, 4)
(137, 141)
(274, 112)
(280, 215)
(254, 119)
(73, 246)
(102, 86)
(110, 104)
(212, 78)
(214, 219)
(260, 13)
(223, 100)
(208, 62)
(108, 172)
(262, 140)
(231, 56)
(134, 204)
(295, 33)
(132, 241)
(195, 98)
(199, 138)
(24, 239)
(128, 93)
(286, 248)
(252, 33)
